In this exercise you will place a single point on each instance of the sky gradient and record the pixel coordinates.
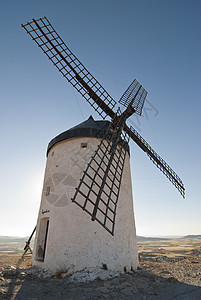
(157, 42)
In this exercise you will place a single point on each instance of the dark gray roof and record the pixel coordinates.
(88, 128)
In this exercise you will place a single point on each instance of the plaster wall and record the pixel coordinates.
(73, 242)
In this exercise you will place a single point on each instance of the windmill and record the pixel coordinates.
(98, 190)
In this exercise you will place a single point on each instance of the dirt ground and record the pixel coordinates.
(180, 280)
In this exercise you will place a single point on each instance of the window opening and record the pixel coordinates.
(48, 191)
(83, 145)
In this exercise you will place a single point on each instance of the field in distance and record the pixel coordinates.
(13, 245)
(156, 249)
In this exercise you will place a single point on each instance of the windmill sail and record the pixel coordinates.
(99, 187)
(70, 67)
(156, 159)
(135, 95)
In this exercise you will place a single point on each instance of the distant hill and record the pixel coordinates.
(192, 236)
(147, 239)
(11, 239)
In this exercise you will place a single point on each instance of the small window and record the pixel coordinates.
(52, 153)
(48, 191)
(83, 145)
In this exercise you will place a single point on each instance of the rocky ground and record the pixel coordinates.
(178, 279)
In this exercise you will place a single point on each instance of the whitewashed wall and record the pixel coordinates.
(74, 242)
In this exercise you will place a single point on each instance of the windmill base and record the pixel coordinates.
(88, 249)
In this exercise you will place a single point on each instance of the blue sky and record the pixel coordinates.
(158, 43)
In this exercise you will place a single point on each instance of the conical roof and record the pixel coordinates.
(88, 128)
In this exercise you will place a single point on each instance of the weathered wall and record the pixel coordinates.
(74, 242)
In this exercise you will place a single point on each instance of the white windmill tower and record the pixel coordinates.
(66, 239)
(88, 174)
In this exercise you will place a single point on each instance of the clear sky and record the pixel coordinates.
(157, 42)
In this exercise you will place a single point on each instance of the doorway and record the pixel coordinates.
(42, 239)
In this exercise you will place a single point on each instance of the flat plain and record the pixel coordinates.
(170, 248)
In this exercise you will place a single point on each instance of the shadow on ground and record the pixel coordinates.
(139, 285)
